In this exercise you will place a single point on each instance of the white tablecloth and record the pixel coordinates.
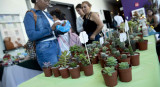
(15, 75)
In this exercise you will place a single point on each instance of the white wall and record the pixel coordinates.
(20, 7)
(12, 7)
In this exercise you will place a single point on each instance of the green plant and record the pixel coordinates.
(131, 50)
(131, 37)
(111, 61)
(103, 55)
(96, 42)
(84, 60)
(96, 50)
(105, 43)
(117, 54)
(93, 54)
(110, 46)
(81, 50)
(94, 45)
(99, 46)
(74, 48)
(122, 45)
(56, 65)
(73, 64)
(104, 49)
(113, 50)
(126, 50)
(64, 59)
(141, 40)
(123, 65)
(123, 56)
(108, 70)
(113, 44)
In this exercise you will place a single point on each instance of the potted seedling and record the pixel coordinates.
(106, 43)
(103, 57)
(133, 42)
(121, 47)
(55, 70)
(47, 69)
(74, 70)
(126, 51)
(87, 66)
(117, 55)
(125, 73)
(74, 49)
(143, 44)
(111, 61)
(124, 58)
(113, 51)
(110, 76)
(64, 59)
(104, 49)
(95, 56)
(134, 57)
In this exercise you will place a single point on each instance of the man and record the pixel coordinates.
(79, 20)
(118, 19)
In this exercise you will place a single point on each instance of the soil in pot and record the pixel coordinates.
(47, 72)
(125, 75)
(88, 70)
(75, 72)
(64, 72)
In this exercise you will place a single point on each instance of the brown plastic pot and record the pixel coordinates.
(125, 60)
(55, 71)
(64, 73)
(47, 72)
(80, 66)
(102, 62)
(88, 70)
(143, 45)
(75, 72)
(135, 59)
(110, 81)
(125, 75)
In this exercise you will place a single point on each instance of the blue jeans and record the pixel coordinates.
(48, 51)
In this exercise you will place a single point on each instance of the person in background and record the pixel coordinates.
(63, 40)
(118, 19)
(79, 20)
(152, 19)
(157, 28)
(92, 23)
(41, 31)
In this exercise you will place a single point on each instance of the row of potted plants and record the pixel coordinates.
(67, 67)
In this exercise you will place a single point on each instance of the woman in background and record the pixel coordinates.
(40, 30)
(92, 23)
(152, 19)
